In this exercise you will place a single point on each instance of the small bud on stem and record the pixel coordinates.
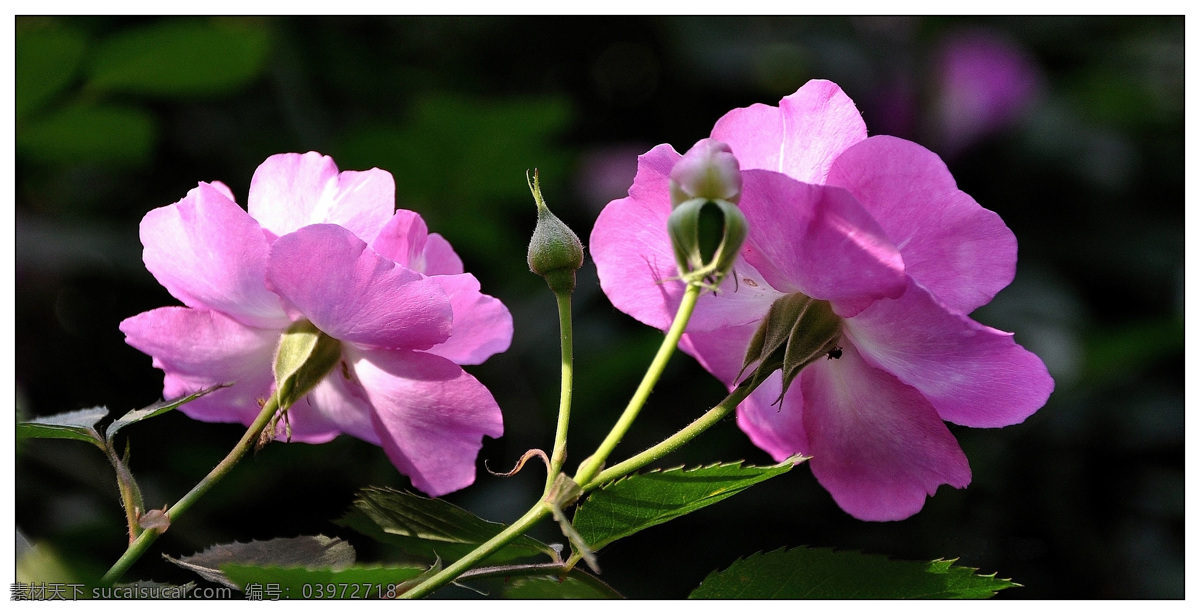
(554, 251)
(706, 227)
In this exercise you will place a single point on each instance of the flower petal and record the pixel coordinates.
(720, 351)
(972, 374)
(800, 138)
(818, 240)
(406, 240)
(636, 264)
(482, 324)
(430, 415)
(210, 254)
(290, 191)
(440, 258)
(202, 348)
(962, 252)
(336, 405)
(777, 428)
(353, 294)
(877, 445)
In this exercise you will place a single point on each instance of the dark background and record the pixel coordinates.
(1078, 146)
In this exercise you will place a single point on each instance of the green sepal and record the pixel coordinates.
(305, 357)
(706, 236)
(796, 331)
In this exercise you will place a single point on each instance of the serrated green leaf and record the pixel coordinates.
(295, 582)
(74, 425)
(429, 528)
(637, 502)
(805, 573)
(87, 132)
(134, 416)
(48, 56)
(577, 584)
(182, 57)
(316, 552)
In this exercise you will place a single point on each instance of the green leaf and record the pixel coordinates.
(134, 416)
(47, 58)
(323, 584)
(75, 425)
(182, 57)
(805, 573)
(577, 584)
(316, 552)
(86, 132)
(637, 502)
(429, 528)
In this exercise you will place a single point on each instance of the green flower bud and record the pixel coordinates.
(305, 357)
(554, 251)
(706, 236)
(796, 331)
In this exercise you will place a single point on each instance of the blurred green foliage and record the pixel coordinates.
(118, 115)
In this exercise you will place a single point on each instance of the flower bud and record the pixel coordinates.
(706, 236)
(554, 251)
(796, 331)
(707, 171)
(305, 357)
(706, 227)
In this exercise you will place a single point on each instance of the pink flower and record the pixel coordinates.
(330, 248)
(876, 228)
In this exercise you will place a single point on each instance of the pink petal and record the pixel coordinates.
(777, 428)
(430, 416)
(440, 258)
(972, 374)
(482, 325)
(202, 348)
(819, 241)
(800, 138)
(290, 191)
(636, 264)
(952, 246)
(210, 254)
(353, 294)
(877, 445)
(403, 239)
(406, 240)
(720, 351)
(336, 405)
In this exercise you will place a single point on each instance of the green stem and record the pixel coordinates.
(559, 454)
(592, 465)
(683, 436)
(138, 547)
(508, 534)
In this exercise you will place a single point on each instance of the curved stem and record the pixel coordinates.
(559, 454)
(138, 547)
(592, 465)
(683, 436)
(451, 572)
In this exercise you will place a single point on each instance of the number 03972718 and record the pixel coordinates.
(347, 591)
